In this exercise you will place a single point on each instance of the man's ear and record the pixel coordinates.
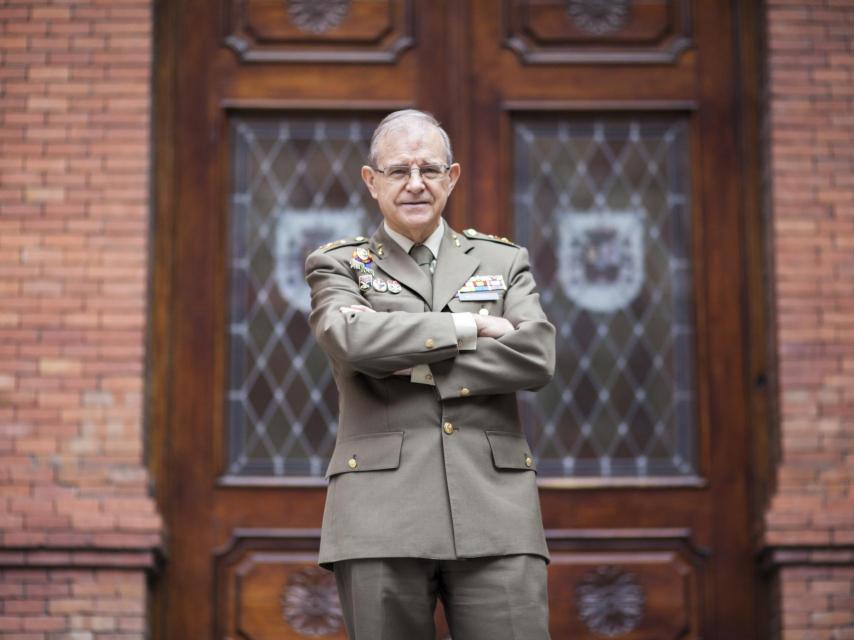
(454, 174)
(369, 178)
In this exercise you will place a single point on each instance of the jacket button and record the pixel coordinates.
(448, 428)
(528, 461)
(484, 311)
(465, 391)
(429, 343)
(352, 463)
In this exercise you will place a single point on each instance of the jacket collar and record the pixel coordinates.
(454, 266)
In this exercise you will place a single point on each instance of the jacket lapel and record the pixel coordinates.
(454, 266)
(392, 259)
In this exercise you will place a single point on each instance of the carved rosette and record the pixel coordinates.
(610, 601)
(599, 17)
(310, 602)
(318, 16)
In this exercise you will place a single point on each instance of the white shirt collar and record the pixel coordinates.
(433, 242)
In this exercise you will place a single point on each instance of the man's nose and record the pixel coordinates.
(415, 182)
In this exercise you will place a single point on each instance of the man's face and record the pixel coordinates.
(411, 207)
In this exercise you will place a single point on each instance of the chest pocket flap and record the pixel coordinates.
(367, 452)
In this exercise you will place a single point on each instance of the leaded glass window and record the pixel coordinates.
(602, 203)
(296, 184)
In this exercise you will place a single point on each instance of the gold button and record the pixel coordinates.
(429, 377)
(465, 391)
(448, 427)
(484, 311)
(528, 461)
(352, 463)
(429, 343)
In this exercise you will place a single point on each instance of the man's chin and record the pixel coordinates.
(417, 215)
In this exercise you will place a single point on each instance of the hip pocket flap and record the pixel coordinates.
(368, 452)
(510, 451)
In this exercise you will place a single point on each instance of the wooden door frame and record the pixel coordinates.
(165, 356)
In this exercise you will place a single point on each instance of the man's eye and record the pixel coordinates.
(431, 172)
(398, 172)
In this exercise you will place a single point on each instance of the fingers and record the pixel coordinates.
(492, 326)
(357, 308)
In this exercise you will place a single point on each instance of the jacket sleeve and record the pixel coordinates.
(520, 359)
(376, 344)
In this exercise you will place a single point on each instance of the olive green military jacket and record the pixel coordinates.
(427, 471)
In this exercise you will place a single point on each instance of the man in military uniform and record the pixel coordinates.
(430, 332)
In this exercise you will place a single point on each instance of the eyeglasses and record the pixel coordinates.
(402, 172)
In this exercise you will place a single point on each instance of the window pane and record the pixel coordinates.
(603, 206)
(296, 185)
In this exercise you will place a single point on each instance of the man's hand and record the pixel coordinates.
(492, 326)
(358, 308)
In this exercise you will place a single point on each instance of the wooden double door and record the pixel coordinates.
(606, 136)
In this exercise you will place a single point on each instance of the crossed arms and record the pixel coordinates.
(513, 352)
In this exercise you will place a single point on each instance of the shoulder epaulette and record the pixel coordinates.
(474, 234)
(344, 242)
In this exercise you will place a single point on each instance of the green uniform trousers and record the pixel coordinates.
(493, 598)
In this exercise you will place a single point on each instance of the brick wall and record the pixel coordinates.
(73, 605)
(74, 167)
(74, 210)
(811, 91)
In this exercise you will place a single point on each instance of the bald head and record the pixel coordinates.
(409, 120)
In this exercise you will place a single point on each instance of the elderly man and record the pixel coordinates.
(430, 332)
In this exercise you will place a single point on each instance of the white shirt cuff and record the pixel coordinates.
(466, 329)
(421, 374)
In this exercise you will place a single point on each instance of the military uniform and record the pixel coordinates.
(435, 471)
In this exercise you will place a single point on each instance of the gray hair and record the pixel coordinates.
(399, 119)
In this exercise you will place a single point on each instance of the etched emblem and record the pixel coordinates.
(310, 602)
(610, 601)
(601, 258)
(297, 234)
(318, 16)
(599, 17)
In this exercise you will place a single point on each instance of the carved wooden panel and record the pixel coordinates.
(632, 585)
(597, 31)
(269, 587)
(318, 30)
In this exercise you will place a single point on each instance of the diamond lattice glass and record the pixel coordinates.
(603, 206)
(295, 186)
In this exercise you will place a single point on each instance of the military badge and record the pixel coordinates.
(394, 286)
(365, 280)
(362, 260)
(482, 287)
(379, 285)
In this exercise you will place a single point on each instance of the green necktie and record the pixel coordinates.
(423, 258)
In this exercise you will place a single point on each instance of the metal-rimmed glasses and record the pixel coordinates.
(402, 172)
